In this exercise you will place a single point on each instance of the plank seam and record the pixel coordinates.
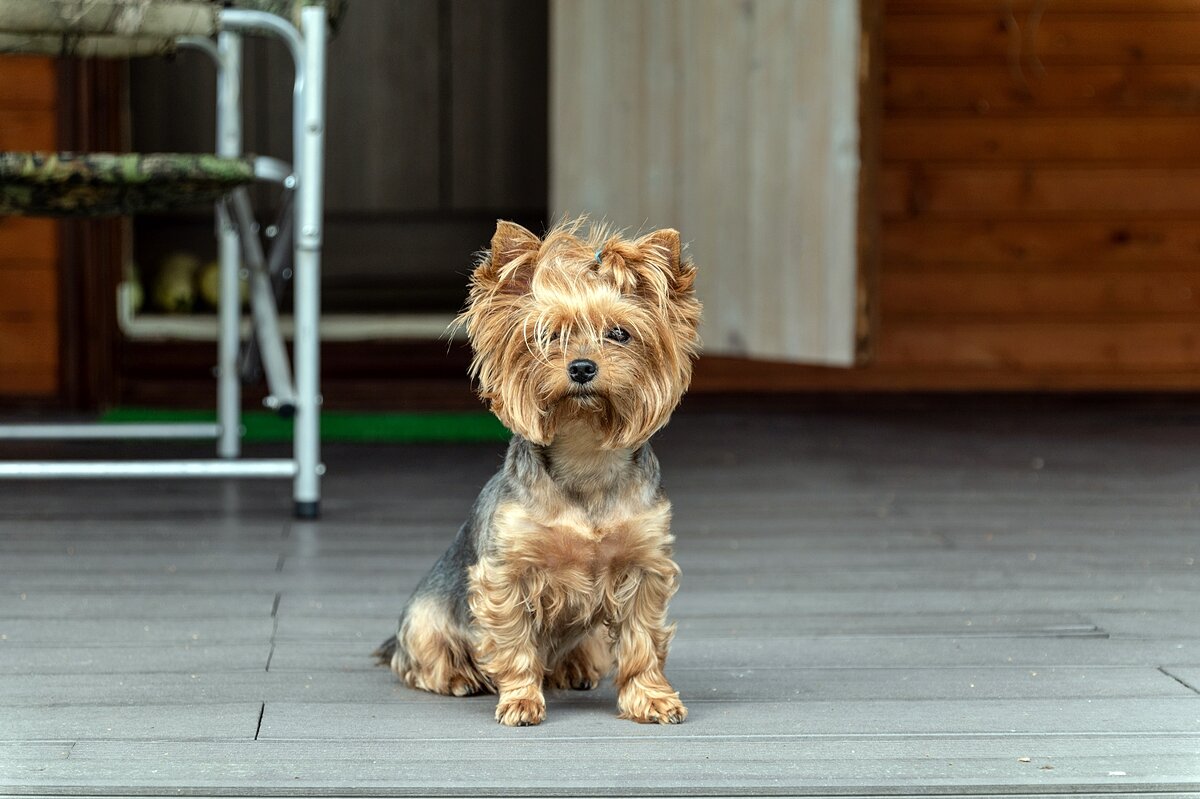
(1080, 791)
(1180, 680)
(261, 712)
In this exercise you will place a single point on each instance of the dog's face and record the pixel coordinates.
(598, 329)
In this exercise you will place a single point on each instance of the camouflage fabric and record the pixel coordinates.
(290, 9)
(106, 184)
(127, 28)
(116, 17)
(91, 46)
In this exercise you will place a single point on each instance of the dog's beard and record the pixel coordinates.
(619, 420)
(587, 406)
(584, 397)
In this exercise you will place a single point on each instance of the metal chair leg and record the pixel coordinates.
(307, 489)
(262, 303)
(307, 48)
(279, 271)
(229, 143)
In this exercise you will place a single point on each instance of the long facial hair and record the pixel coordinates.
(536, 304)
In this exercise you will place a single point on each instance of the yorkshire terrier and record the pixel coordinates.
(583, 346)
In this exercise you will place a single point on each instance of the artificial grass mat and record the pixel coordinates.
(341, 426)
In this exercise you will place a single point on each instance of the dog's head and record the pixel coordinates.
(582, 327)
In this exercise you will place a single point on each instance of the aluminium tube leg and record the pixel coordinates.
(309, 218)
(229, 143)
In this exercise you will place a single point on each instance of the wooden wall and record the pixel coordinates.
(1041, 201)
(29, 335)
(437, 127)
(738, 123)
(1040, 190)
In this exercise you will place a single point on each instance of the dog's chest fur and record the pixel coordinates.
(592, 522)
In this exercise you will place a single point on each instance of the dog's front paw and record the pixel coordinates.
(652, 707)
(520, 711)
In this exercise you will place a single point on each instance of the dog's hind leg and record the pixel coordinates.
(431, 652)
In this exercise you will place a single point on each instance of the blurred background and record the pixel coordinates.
(882, 196)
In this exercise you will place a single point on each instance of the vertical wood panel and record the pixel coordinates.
(29, 336)
(736, 123)
(497, 98)
(384, 140)
(713, 166)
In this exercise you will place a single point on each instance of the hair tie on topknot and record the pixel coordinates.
(597, 256)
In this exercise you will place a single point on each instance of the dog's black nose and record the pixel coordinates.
(582, 370)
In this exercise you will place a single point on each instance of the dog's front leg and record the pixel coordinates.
(507, 646)
(642, 635)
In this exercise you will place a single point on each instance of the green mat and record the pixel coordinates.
(265, 426)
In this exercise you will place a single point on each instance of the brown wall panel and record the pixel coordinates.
(1104, 89)
(1041, 202)
(29, 335)
(1058, 35)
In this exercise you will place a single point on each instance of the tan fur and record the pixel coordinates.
(584, 666)
(577, 573)
(590, 569)
(536, 303)
(435, 653)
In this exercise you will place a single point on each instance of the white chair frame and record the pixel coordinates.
(237, 239)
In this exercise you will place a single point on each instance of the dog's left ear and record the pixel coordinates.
(662, 270)
(508, 265)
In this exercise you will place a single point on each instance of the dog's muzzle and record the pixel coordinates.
(582, 371)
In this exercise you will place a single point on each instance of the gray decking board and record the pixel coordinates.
(628, 767)
(398, 580)
(135, 605)
(749, 602)
(696, 685)
(99, 656)
(168, 562)
(733, 651)
(234, 629)
(578, 715)
(390, 569)
(224, 720)
(985, 765)
(741, 652)
(231, 530)
(880, 604)
(893, 625)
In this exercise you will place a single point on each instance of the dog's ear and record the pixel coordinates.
(663, 246)
(662, 271)
(508, 265)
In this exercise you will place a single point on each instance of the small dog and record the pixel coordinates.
(583, 346)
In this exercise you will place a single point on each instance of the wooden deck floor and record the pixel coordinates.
(873, 604)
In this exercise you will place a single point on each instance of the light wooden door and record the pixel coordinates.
(739, 123)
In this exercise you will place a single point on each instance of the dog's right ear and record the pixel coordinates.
(508, 265)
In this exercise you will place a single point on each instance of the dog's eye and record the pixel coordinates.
(550, 338)
(617, 334)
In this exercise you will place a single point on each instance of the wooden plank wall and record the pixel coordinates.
(29, 351)
(738, 124)
(1041, 201)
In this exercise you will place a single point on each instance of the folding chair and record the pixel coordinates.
(66, 184)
